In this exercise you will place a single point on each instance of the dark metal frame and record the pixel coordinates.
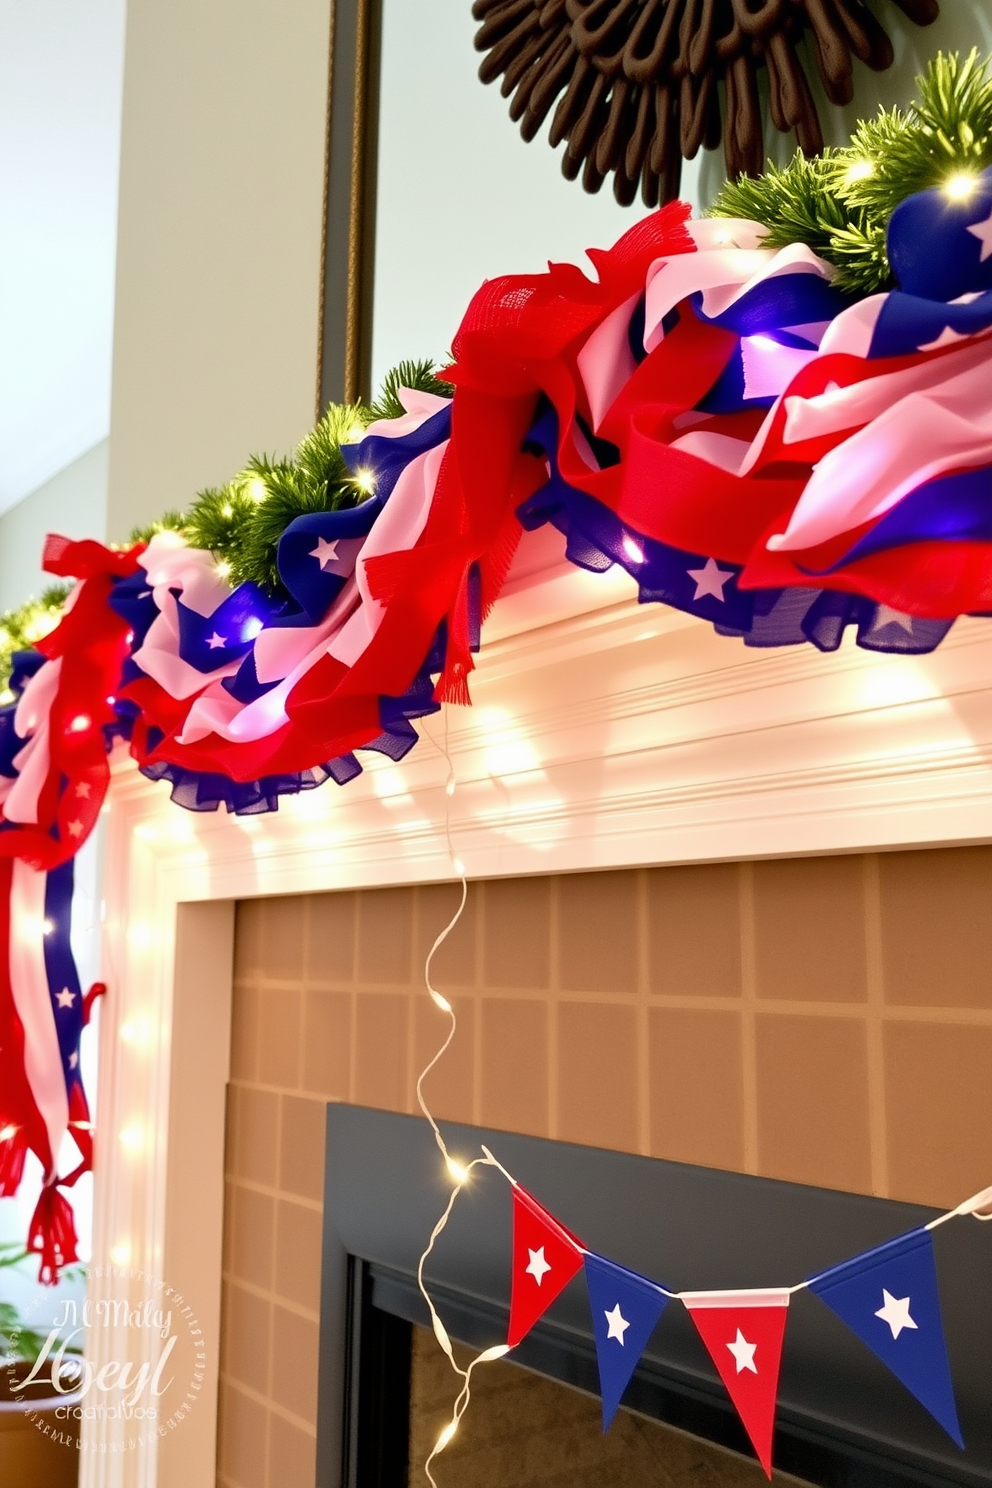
(843, 1420)
(344, 357)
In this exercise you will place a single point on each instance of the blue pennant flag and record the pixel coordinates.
(888, 1297)
(625, 1308)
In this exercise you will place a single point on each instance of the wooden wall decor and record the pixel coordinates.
(637, 81)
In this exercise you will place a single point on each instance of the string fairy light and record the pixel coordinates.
(459, 1172)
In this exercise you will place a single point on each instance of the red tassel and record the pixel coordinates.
(52, 1234)
(13, 1151)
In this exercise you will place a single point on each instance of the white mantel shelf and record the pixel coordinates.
(603, 734)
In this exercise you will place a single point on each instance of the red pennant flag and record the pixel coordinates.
(545, 1258)
(743, 1332)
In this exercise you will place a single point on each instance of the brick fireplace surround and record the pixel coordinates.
(823, 1020)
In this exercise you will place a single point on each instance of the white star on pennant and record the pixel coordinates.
(73, 1059)
(710, 579)
(75, 829)
(83, 790)
(65, 998)
(617, 1324)
(886, 615)
(325, 552)
(215, 642)
(895, 1312)
(539, 1266)
(743, 1353)
(983, 232)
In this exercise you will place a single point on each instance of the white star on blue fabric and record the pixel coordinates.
(325, 552)
(539, 1266)
(710, 579)
(983, 232)
(895, 1312)
(616, 1324)
(948, 337)
(65, 998)
(215, 642)
(743, 1353)
(886, 615)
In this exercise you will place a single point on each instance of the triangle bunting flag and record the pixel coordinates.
(545, 1258)
(889, 1298)
(625, 1308)
(744, 1331)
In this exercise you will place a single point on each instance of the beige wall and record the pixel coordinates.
(219, 247)
(73, 503)
(826, 1020)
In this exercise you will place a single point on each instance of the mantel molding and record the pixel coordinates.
(603, 734)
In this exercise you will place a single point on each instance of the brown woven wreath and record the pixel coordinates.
(636, 81)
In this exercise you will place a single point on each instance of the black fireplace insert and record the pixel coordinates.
(843, 1421)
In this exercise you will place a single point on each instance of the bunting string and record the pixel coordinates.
(887, 1296)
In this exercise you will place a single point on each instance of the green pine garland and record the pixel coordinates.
(840, 203)
(20, 629)
(241, 523)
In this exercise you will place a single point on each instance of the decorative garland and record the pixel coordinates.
(887, 1296)
(637, 81)
(727, 419)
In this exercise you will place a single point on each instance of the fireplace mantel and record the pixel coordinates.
(603, 734)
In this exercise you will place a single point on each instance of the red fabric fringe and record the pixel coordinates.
(52, 1234)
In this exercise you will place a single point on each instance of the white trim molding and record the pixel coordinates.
(603, 734)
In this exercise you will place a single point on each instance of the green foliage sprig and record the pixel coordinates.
(20, 629)
(840, 203)
(241, 522)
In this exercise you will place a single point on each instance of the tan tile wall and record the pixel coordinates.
(827, 1020)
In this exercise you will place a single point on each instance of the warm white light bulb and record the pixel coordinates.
(449, 789)
(222, 568)
(255, 489)
(365, 481)
(130, 1138)
(446, 1436)
(961, 186)
(8, 1133)
(441, 1002)
(457, 1171)
(860, 170)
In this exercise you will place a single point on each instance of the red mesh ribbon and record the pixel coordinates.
(92, 641)
(13, 1151)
